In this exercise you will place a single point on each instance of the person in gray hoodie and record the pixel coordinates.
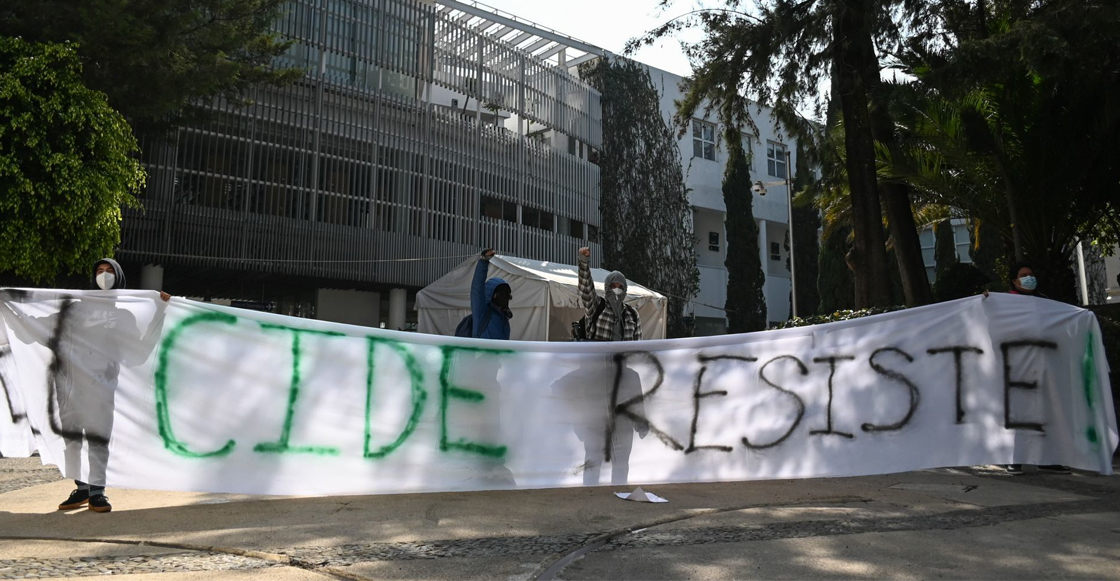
(84, 380)
(609, 318)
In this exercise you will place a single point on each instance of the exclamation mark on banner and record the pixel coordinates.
(1089, 386)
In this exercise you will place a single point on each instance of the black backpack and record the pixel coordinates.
(465, 328)
(580, 327)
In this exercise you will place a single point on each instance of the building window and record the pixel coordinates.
(703, 140)
(570, 227)
(536, 218)
(775, 251)
(713, 241)
(491, 207)
(530, 216)
(775, 159)
(748, 149)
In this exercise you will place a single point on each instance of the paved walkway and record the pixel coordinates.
(953, 523)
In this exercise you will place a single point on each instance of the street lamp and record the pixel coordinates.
(760, 189)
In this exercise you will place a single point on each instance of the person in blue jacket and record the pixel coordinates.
(490, 299)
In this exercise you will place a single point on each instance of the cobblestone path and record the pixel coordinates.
(91, 566)
(17, 473)
(1102, 499)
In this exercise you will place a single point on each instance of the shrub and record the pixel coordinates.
(843, 315)
(958, 281)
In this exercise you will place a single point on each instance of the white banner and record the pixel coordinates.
(15, 433)
(122, 388)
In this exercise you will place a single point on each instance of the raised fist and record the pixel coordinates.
(488, 253)
(585, 252)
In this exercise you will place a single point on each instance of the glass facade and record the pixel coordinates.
(353, 167)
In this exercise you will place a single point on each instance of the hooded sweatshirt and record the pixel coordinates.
(490, 321)
(617, 321)
(616, 302)
(119, 283)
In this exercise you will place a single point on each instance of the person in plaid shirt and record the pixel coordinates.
(616, 320)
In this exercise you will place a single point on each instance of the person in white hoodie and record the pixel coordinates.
(84, 376)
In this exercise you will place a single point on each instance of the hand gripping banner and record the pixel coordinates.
(121, 388)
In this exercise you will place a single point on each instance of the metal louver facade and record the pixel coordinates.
(354, 172)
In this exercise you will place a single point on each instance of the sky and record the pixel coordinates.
(608, 24)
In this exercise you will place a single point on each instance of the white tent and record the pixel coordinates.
(545, 299)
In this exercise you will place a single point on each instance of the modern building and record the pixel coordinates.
(420, 133)
(415, 138)
(703, 159)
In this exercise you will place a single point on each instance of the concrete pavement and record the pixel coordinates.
(951, 523)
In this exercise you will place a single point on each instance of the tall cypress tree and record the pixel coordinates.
(986, 250)
(945, 247)
(646, 218)
(806, 245)
(746, 303)
(157, 60)
(835, 282)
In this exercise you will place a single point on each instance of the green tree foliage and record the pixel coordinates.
(777, 52)
(646, 219)
(746, 303)
(1014, 120)
(959, 280)
(67, 164)
(806, 245)
(806, 229)
(944, 247)
(834, 279)
(830, 193)
(898, 294)
(986, 249)
(153, 58)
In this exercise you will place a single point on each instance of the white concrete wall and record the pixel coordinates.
(704, 178)
(349, 306)
(713, 292)
(776, 234)
(705, 223)
(777, 298)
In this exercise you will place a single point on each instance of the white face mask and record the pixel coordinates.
(617, 291)
(106, 280)
(1028, 282)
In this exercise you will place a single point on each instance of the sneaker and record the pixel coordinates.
(100, 503)
(77, 499)
(1015, 469)
(1054, 469)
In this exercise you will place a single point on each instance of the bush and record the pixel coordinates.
(958, 281)
(837, 316)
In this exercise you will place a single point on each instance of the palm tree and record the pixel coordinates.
(1017, 123)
